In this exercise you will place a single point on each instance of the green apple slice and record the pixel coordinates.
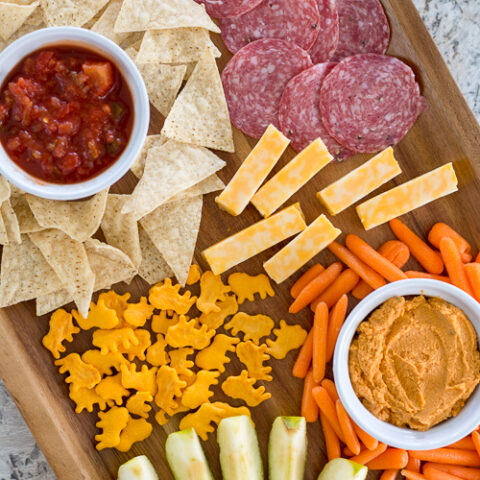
(138, 468)
(287, 448)
(342, 469)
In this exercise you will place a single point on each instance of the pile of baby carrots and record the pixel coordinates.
(447, 257)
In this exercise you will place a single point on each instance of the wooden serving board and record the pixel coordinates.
(447, 132)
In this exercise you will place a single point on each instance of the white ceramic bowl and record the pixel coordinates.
(64, 36)
(442, 434)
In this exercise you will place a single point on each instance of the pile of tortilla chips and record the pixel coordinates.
(49, 251)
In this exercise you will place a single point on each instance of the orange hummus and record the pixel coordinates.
(415, 362)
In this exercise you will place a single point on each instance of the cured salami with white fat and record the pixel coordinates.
(290, 20)
(228, 8)
(255, 79)
(364, 28)
(369, 102)
(327, 41)
(299, 113)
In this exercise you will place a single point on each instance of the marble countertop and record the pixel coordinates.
(455, 27)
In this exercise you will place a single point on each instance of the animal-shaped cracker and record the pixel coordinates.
(253, 357)
(137, 430)
(182, 365)
(166, 296)
(138, 351)
(143, 381)
(241, 387)
(245, 286)
(186, 334)
(169, 387)
(61, 330)
(202, 419)
(104, 363)
(254, 327)
(229, 411)
(199, 392)
(194, 274)
(81, 374)
(289, 337)
(214, 357)
(215, 320)
(138, 404)
(99, 316)
(114, 340)
(161, 417)
(137, 314)
(212, 290)
(111, 389)
(112, 422)
(116, 302)
(162, 322)
(156, 353)
(86, 398)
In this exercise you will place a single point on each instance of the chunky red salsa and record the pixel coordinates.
(65, 115)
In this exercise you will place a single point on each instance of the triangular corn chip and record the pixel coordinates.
(173, 228)
(139, 164)
(70, 13)
(11, 222)
(200, 115)
(104, 25)
(209, 185)
(5, 190)
(13, 16)
(25, 217)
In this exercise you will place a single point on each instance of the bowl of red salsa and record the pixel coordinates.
(74, 113)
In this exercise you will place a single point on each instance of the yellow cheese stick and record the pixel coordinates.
(253, 171)
(255, 239)
(318, 235)
(408, 196)
(360, 182)
(291, 178)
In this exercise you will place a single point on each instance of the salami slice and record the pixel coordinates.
(255, 79)
(291, 20)
(299, 113)
(364, 28)
(228, 8)
(369, 102)
(327, 41)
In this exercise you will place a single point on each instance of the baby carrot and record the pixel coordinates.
(318, 285)
(414, 274)
(345, 282)
(331, 389)
(392, 458)
(304, 359)
(477, 258)
(450, 456)
(414, 464)
(360, 268)
(346, 426)
(440, 230)
(454, 265)
(369, 442)
(335, 323)
(309, 408)
(362, 290)
(373, 259)
(347, 452)
(368, 455)
(389, 475)
(412, 475)
(332, 442)
(473, 275)
(465, 444)
(305, 279)
(327, 407)
(432, 473)
(461, 472)
(428, 258)
(320, 332)
(476, 441)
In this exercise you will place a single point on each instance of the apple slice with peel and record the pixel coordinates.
(342, 469)
(240, 457)
(138, 468)
(185, 456)
(287, 448)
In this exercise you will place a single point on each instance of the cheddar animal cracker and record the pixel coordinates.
(166, 296)
(214, 357)
(104, 363)
(215, 320)
(254, 357)
(245, 286)
(136, 314)
(81, 374)
(156, 353)
(199, 392)
(289, 337)
(162, 322)
(86, 399)
(242, 387)
(112, 422)
(194, 274)
(136, 430)
(143, 380)
(254, 327)
(212, 290)
(138, 404)
(186, 334)
(111, 341)
(99, 316)
(61, 330)
(169, 387)
(112, 390)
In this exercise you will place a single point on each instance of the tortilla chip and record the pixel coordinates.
(121, 230)
(209, 185)
(70, 13)
(69, 260)
(142, 15)
(176, 45)
(79, 219)
(139, 164)
(109, 265)
(13, 16)
(5, 190)
(104, 25)
(169, 170)
(11, 222)
(200, 115)
(25, 274)
(26, 220)
(153, 268)
(173, 229)
(163, 83)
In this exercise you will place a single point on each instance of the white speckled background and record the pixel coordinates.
(455, 26)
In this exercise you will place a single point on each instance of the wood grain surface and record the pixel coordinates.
(447, 132)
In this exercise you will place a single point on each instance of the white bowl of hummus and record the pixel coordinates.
(407, 364)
